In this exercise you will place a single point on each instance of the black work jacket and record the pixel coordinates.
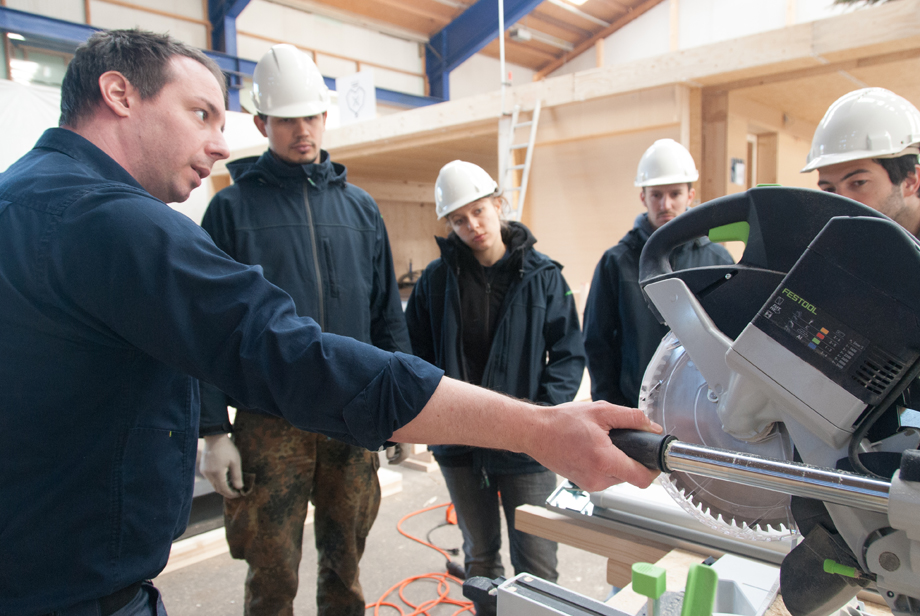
(536, 352)
(621, 333)
(317, 237)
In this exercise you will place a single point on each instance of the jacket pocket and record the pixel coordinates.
(330, 268)
(153, 496)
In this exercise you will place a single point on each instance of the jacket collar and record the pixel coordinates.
(516, 236)
(268, 168)
(642, 230)
(79, 148)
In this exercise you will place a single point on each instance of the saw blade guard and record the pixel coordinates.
(675, 395)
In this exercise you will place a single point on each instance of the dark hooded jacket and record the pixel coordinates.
(621, 333)
(317, 237)
(536, 351)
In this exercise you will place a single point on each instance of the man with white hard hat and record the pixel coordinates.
(323, 241)
(621, 333)
(866, 148)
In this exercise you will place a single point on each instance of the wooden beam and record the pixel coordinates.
(396, 190)
(402, 5)
(343, 152)
(602, 34)
(823, 69)
(582, 535)
(549, 22)
(714, 163)
(873, 31)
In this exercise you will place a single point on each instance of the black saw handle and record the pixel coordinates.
(646, 448)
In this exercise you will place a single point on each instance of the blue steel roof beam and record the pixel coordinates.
(39, 26)
(475, 28)
(30, 24)
(223, 14)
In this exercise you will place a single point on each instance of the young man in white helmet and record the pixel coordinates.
(866, 148)
(324, 242)
(621, 333)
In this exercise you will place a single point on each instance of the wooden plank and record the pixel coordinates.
(823, 69)
(396, 190)
(882, 29)
(598, 36)
(407, 135)
(570, 531)
(624, 113)
(546, 16)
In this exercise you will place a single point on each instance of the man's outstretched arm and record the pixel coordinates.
(570, 439)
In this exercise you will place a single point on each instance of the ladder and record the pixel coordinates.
(514, 172)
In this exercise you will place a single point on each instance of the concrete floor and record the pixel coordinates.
(214, 587)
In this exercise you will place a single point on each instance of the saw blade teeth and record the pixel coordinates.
(674, 394)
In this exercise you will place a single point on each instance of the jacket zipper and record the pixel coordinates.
(319, 278)
(514, 289)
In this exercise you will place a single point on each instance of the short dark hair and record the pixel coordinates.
(899, 168)
(142, 57)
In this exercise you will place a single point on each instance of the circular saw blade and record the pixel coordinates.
(675, 395)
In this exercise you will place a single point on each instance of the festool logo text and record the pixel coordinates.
(798, 300)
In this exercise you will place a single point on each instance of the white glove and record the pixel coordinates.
(221, 465)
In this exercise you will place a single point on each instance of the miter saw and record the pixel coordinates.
(792, 372)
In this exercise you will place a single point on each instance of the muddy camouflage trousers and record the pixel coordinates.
(284, 470)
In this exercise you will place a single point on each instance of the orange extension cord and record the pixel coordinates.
(443, 580)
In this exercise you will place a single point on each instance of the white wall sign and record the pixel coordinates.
(357, 97)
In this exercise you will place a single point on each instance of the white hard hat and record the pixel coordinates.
(287, 84)
(460, 183)
(666, 162)
(867, 123)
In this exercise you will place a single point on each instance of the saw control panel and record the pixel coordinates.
(841, 308)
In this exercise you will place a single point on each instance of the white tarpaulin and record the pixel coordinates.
(25, 112)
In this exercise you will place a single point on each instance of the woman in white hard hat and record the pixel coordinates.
(494, 312)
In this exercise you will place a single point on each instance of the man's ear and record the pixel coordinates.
(691, 195)
(260, 124)
(117, 93)
(911, 183)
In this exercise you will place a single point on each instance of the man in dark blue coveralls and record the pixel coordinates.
(113, 305)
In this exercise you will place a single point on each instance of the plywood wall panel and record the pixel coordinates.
(68, 10)
(112, 16)
(411, 227)
(791, 154)
(635, 111)
(581, 199)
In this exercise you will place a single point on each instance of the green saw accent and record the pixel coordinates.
(836, 568)
(766, 185)
(648, 580)
(732, 232)
(700, 596)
